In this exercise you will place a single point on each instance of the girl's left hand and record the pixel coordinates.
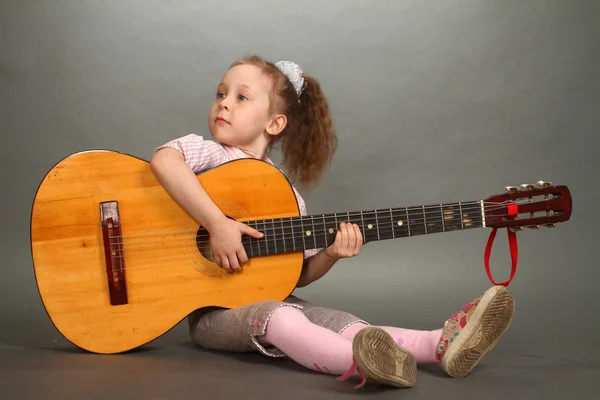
(348, 242)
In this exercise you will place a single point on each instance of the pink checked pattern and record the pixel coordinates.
(201, 155)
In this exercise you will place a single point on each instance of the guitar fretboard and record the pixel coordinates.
(282, 235)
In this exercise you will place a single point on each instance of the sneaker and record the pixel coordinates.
(473, 331)
(378, 357)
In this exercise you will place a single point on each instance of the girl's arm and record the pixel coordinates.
(179, 180)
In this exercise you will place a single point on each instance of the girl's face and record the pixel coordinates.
(239, 116)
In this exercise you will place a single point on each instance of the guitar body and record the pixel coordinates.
(163, 275)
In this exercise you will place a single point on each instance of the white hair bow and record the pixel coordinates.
(293, 73)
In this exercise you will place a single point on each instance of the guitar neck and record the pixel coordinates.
(315, 231)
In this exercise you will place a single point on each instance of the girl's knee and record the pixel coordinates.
(286, 313)
(287, 317)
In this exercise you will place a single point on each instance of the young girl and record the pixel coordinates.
(258, 103)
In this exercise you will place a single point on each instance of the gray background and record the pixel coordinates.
(434, 101)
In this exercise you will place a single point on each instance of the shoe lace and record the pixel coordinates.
(351, 370)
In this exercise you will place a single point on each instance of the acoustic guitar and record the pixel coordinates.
(118, 262)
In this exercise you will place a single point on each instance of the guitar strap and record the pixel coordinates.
(514, 249)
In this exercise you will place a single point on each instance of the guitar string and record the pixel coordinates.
(269, 225)
(271, 240)
(342, 217)
(153, 259)
(118, 253)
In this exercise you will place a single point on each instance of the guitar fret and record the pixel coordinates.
(442, 215)
(274, 235)
(292, 235)
(247, 244)
(319, 232)
(389, 228)
(416, 221)
(433, 224)
(335, 225)
(384, 230)
(265, 237)
(314, 231)
(297, 233)
(254, 243)
(303, 233)
(257, 241)
(483, 223)
(362, 224)
(283, 238)
(326, 242)
(472, 218)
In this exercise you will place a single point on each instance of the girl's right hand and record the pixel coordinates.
(226, 244)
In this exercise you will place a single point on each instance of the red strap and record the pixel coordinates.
(514, 249)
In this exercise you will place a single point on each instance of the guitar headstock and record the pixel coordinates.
(539, 205)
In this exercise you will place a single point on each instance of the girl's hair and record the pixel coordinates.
(308, 141)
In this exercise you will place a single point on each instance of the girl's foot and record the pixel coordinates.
(473, 331)
(378, 357)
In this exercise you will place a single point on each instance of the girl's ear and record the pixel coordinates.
(277, 124)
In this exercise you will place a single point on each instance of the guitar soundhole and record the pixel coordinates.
(203, 244)
(209, 268)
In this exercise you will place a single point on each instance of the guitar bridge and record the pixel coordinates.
(113, 251)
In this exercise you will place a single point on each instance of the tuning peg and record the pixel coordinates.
(550, 225)
(542, 184)
(512, 189)
(527, 186)
(515, 228)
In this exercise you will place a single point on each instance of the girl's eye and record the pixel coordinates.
(219, 94)
(242, 97)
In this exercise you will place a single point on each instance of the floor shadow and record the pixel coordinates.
(254, 358)
(436, 371)
(42, 335)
